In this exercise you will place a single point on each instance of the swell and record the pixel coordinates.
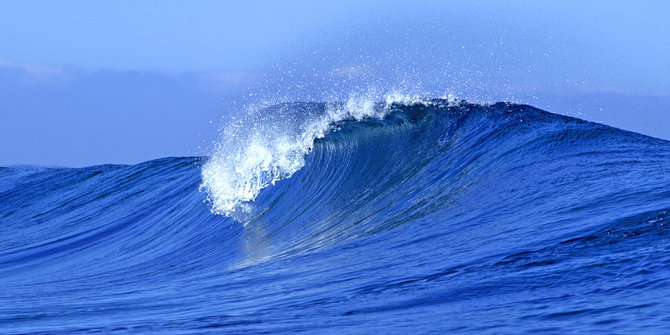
(413, 162)
(124, 215)
(406, 164)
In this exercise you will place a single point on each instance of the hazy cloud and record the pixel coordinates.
(37, 72)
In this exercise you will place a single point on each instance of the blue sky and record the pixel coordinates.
(86, 82)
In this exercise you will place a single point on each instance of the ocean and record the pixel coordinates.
(403, 216)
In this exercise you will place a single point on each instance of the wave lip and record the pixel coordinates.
(271, 145)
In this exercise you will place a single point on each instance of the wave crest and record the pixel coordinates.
(271, 145)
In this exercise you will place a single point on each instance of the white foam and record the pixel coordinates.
(255, 153)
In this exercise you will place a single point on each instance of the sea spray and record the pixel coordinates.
(271, 145)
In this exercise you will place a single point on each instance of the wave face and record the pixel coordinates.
(397, 217)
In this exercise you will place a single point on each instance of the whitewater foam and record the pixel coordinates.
(268, 146)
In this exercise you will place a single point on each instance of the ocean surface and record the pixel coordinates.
(394, 217)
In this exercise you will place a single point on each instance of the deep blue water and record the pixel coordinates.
(436, 217)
